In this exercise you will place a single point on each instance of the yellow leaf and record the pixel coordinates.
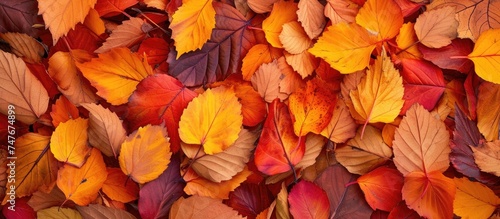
(116, 74)
(82, 185)
(436, 28)
(346, 47)
(361, 155)
(192, 25)
(94, 22)
(474, 200)
(487, 157)
(145, 154)
(267, 80)
(126, 34)
(282, 13)
(381, 17)
(202, 207)
(379, 96)
(21, 89)
(486, 55)
(197, 185)
(407, 42)
(342, 126)
(24, 46)
(294, 38)
(58, 213)
(60, 16)
(69, 142)
(421, 142)
(311, 16)
(257, 55)
(213, 119)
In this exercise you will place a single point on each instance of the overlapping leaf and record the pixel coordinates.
(473, 199)
(381, 17)
(436, 28)
(486, 55)
(486, 121)
(382, 188)
(307, 200)
(68, 143)
(198, 207)
(282, 13)
(127, 34)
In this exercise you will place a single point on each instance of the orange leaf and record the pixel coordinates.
(294, 38)
(145, 154)
(202, 207)
(21, 89)
(346, 47)
(310, 15)
(429, 194)
(342, 126)
(379, 96)
(212, 119)
(261, 6)
(407, 42)
(106, 131)
(257, 55)
(24, 46)
(473, 199)
(486, 119)
(266, 81)
(63, 111)
(421, 142)
(111, 8)
(381, 17)
(304, 63)
(81, 185)
(116, 74)
(197, 185)
(311, 108)
(341, 11)
(291, 81)
(192, 25)
(126, 34)
(61, 16)
(382, 188)
(361, 155)
(486, 55)
(69, 142)
(436, 28)
(279, 149)
(487, 157)
(118, 187)
(307, 200)
(282, 13)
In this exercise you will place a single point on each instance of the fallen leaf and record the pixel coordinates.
(486, 55)
(42, 200)
(115, 74)
(62, 111)
(407, 42)
(258, 55)
(13, 10)
(402, 211)
(382, 188)
(94, 22)
(266, 81)
(314, 146)
(261, 6)
(197, 185)
(380, 17)
(81, 185)
(421, 143)
(473, 199)
(192, 25)
(487, 157)
(24, 46)
(291, 80)
(250, 199)
(21, 89)
(307, 200)
(100, 211)
(68, 143)
(145, 153)
(341, 11)
(202, 207)
(126, 34)
(294, 38)
(310, 15)
(118, 188)
(59, 213)
(303, 63)
(442, 56)
(156, 50)
(342, 126)
(360, 155)
(488, 122)
(282, 13)
(436, 28)
(282, 209)
(109, 8)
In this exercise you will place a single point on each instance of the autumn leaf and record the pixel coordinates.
(117, 188)
(307, 200)
(473, 199)
(196, 185)
(156, 50)
(250, 199)
(59, 213)
(101, 211)
(68, 143)
(379, 95)
(81, 185)
(486, 55)
(21, 89)
(279, 149)
(294, 38)
(341, 11)
(200, 207)
(407, 42)
(266, 81)
(486, 120)
(45, 199)
(303, 63)
(12, 10)
(282, 209)
(361, 155)
(487, 157)
(421, 143)
(61, 16)
(258, 55)
(442, 56)
(145, 153)
(24, 46)
(282, 13)
(126, 34)
(192, 25)
(436, 28)
(342, 126)
(310, 14)
(346, 47)
(213, 120)
(105, 130)
(382, 18)
(63, 111)
(382, 188)
(109, 8)
(291, 80)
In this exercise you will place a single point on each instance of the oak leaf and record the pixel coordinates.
(202, 207)
(282, 13)
(307, 200)
(486, 55)
(473, 199)
(212, 119)
(488, 122)
(192, 25)
(126, 34)
(382, 18)
(145, 154)
(310, 14)
(68, 143)
(487, 157)
(382, 188)
(436, 28)
(118, 188)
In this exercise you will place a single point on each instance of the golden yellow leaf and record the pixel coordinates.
(379, 96)
(21, 89)
(436, 28)
(126, 34)
(202, 207)
(69, 142)
(486, 119)
(267, 80)
(341, 11)
(346, 47)
(303, 63)
(487, 157)
(24, 46)
(380, 17)
(145, 154)
(311, 16)
(473, 199)
(421, 142)
(282, 13)
(294, 38)
(59, 213)
(197, 185)
(94, 22)
(192, 25)
(257, 55)
(116, 74)
(212, 119)
(361, 155)
(486, 55)
(342, 126)
(60, 16)
(407, 42)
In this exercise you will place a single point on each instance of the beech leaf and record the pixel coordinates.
(473, 199)
(310, 14)
(487, 157)
(99, 211)
(488, 122)
(68, 143)
(436, 28)
(126, 34)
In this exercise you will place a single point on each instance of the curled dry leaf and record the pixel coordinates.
(68, 143)
(436, 28)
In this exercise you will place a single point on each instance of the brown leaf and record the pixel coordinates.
(96, 211)
(487, 157)
(310, 15)
(266, 81)
(436, 28)
(487, 110)
(24, 46)
(202, 207)
(127, 34)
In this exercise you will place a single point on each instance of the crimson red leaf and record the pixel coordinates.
(159, 98)
(21, 209)
(250, 199)
(307, 200)
(109, 8)
(156, 50)
(18, 16)
(79, 38)
(424, 83)
(157, 196)
(441, 56)
(221, 55)
(402, 211)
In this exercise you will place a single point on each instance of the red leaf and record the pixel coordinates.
(402, 211)
(441, 56)
(41, 73)
(79, 38)
(250, 199)
(19, 16)
(424, 84)
(221, 55)
(157, 196)
(109, 8)
(156, 50)
(307, 200)
(21, 209)
(382, 188)
(159, 98)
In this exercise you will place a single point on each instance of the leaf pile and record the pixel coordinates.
(250, 108)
